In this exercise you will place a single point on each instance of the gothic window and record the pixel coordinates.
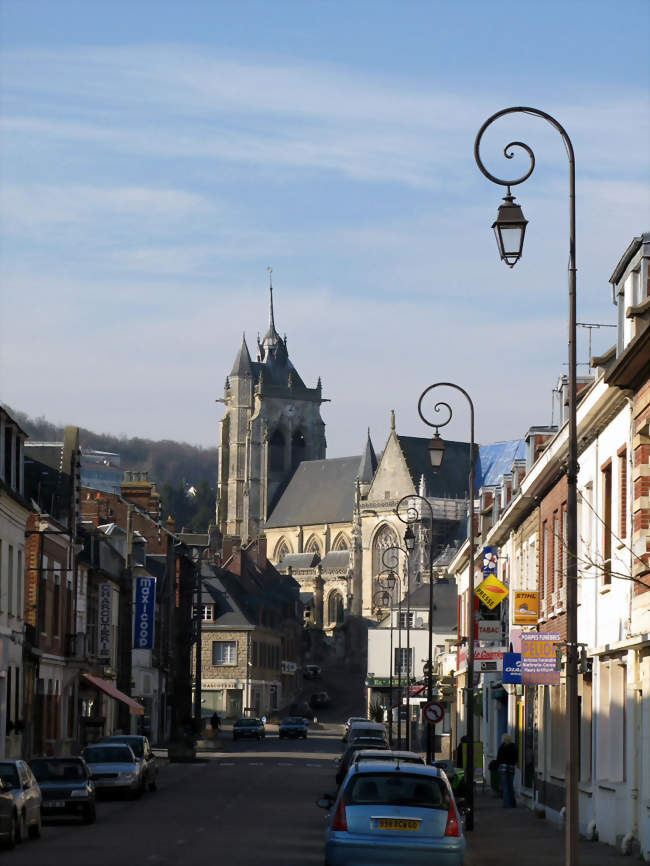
(276, 452)
(281, 550)
(384, 539)
(335, 608)
(341, 543)
(298, 448)
(312, 546)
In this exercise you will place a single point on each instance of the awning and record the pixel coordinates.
(135, 709)
(415, 690)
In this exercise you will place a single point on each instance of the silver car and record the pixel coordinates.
(113, 767)
(143, 755)
(22, 784)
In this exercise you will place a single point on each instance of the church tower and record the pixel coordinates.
(272, 422)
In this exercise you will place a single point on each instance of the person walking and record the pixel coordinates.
(507, 761)
(215, 722)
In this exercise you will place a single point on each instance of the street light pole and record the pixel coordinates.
(411, 516)
(516, 226)
(436, 453)
(391, 566)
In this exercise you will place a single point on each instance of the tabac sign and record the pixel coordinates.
(525, 607)
(491, 591)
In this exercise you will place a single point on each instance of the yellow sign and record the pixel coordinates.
(491, 592)
(526, 607)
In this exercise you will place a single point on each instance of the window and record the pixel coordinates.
(384, 539)
(584, 684)
(282, 551)
(335, 608)
(313, 546)
(207, 612)
(607, 523)
(622, 492)
(543, 561)
(555, 580)
(341, 543)
(56, 604)
(563, 547)
(406, 619)
(402, 658)
(10, 580)
(611, 720)
(224, 652)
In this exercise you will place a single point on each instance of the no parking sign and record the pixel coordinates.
(433, 712)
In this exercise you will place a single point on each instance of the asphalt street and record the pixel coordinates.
(252, 804)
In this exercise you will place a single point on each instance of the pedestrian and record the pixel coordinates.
(215, 721)
(507, 760)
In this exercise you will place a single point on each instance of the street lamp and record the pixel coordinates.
(571, 833)
(411, 516)
(390, 582)
(392, 549)
(469, 685)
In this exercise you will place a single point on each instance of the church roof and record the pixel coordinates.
(321, 491)
(298, 560)
(368, 463)
(448, 482)
(242, 365)
(336, 559)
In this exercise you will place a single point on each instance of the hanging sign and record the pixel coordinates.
(511, 668)
(488, 629)
(144, 617)
(538, 659)
(490, 558)
(525, 607)
(104, 619)
(491, 592)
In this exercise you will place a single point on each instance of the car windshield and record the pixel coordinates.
(366, 743)
(388, 757)
(373, 733)
(293, 720)
(134, 742)
(109, 755)
(57, 770)
(397, 789)
(248, 723)
(9, 775)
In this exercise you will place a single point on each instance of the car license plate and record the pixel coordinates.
(411, 824)
(55, 804)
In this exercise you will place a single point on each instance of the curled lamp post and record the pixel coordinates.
(436, 450)
(501, 226)
(390, 582)
(396, 550)
(412, 516)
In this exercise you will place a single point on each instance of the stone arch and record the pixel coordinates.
(335, 607)
(276, 451)
(282, 549)
(313, 546)
(384, 537)
(341, 542)
(298, 448)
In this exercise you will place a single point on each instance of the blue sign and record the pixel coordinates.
(489, 561)
(511, 668)
(144, 616)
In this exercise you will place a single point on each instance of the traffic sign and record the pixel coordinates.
(433, 712)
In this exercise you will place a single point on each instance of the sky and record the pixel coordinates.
(157, 157)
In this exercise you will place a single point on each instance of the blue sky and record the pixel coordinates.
(156, 157)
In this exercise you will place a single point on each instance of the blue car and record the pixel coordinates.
(293, 726)
(393, 815)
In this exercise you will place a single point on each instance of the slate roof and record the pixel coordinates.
(496, 460)
(445, 600)
(321, 491)
(336, 559)
(299, 560)
(368, 464)
(450, 481)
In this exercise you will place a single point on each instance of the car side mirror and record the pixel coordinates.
(325, 802)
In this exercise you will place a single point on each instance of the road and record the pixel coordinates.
(253, 804)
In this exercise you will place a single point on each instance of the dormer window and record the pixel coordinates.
(207, 613)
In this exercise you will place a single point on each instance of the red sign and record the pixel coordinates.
(433, 712)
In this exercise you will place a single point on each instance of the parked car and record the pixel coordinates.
(319, 699)
(363, 729)
(311, 672)
(141, 748)
(66, 787)
(349, 722)
(389, 756)
(293, 726)
(247, 727)
(384, 814)
(113, 767)
(8, 817)
(26, 794)
(353, 750)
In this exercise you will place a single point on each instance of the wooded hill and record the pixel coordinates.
(174, 466)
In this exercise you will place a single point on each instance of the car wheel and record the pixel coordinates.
(34, 830)
(89, 815)
(12, 838)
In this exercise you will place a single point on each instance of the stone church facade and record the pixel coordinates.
(327, 522)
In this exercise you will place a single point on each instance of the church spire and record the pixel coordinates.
(242, 365)
(368, 463)
(271, 321)
(272, 339)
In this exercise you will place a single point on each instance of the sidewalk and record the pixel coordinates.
(510, 837)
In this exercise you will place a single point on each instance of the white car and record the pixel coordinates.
(22, 783)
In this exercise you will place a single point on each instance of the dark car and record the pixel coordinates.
(293, 726)
(319, 699)
(66, 787)
(349, 754)
(245, 727)
(9, 826)
(311, 672)
(144, 756)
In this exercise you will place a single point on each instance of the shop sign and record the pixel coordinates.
(525, 607)
(488, 629)
(490, 559)
(538, 659)
(491, 591)
(104, 619)
(490, 656)
(511, 668)
(288, 667)
(216, 685)
(145, 613)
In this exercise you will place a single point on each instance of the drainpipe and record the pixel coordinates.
(633, 834)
